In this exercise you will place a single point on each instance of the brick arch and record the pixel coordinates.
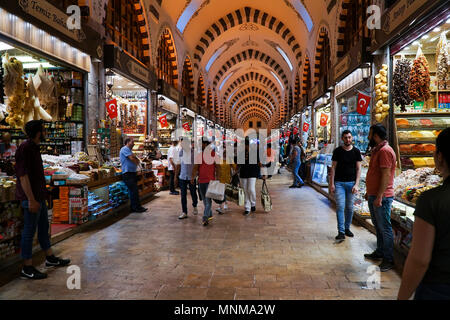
(250, 54)
(323, 54)
(351, 24)
(254, 92)
(306, 77)
(201, 92)
(166, 58)
(245, 105)
(246, 15)
(142, 49)
(209, 101)
(253, 114)
(297, 90)
(253, 76)
(254, 110)
(187, 78)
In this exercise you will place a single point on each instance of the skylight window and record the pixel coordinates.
(225, 80)
(229, 98)
(214, 57)
(281, 85)
(298, 5)
(285, 57)
(187, 14)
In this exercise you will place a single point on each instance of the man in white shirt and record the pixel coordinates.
(173, 156)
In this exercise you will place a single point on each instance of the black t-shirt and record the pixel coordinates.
(346, 164)
(433, 206)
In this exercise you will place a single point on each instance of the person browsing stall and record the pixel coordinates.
(129, 163)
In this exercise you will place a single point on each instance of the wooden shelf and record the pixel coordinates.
(422, 114)
(415, 141)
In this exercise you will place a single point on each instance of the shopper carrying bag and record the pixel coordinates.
(216, 190)
(266, 201)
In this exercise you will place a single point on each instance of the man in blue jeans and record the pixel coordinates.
(344, 182)
(297, 162)
(380, 194)
(186, 167)
(129, 164)
(32, 192)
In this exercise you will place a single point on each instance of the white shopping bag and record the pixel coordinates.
(216, 190)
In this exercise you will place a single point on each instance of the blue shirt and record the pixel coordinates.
(186, 166)
(127, 164)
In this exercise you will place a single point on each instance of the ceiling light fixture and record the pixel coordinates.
(436, 29)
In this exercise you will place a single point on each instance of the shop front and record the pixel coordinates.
(200, 127)
(412, 54)
(169, 100)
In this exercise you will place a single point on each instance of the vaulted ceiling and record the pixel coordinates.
(249, 53)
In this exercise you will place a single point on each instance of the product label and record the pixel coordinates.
(418, 105)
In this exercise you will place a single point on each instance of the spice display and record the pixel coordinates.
(419, 88)
(400, 85)
(381, 95)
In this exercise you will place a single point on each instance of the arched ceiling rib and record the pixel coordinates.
(258, 93)
(253, 76)
(244, 103)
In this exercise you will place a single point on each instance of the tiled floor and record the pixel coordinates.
(286, 254)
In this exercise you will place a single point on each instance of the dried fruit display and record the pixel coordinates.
(381, 95)
(419, 88)
(400, 85)
(443, 58)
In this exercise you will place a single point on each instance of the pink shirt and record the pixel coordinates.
(383, 156)
(207, 172)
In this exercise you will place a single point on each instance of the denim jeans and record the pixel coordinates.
(203, 187)
(297, 179)
(130, 179)
(344, 204)
(32, 221)
(381, 218)
(184, 184)
(432, 291)
(172, 181)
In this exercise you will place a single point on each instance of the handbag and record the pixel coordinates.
(216, 190)
(235, 194)
(266, 201)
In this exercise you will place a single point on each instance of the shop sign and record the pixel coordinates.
(363, 103)
(399, 17)
(111, 108)
(341, 67)
(323, 119)
(295, 130)
(51, 16)
(138, 71)
(318, 90)
(43, 15)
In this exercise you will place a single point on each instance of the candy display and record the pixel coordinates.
(419, 88)
(410, 181)
(11, 221)
(400, 85)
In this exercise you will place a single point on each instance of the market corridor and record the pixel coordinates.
(286, 254)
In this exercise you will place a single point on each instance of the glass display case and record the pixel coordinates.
(320, 169)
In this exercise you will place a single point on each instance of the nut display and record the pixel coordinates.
(381, 95)
(419, 88)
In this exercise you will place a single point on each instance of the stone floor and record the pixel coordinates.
(286, 254)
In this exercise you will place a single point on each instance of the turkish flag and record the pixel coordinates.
(288, 133)
(323, 119)
(363, 103)
(305, 127)
(186, 126)
(163, 121)
(295, 130)
(111, 108)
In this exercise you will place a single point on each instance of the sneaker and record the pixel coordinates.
(386, 265)
(205, 223)
(183, 216)
(246, 213)
(195, 211)
(220, 211)
(140, 210)
(374, 256)
(225, 207)
(30, 272)
(210, 218)
(300, 185)
(348, 233)
(253, 209)
(340, 237)
(175, 193)
(293, 186)
(53, 261)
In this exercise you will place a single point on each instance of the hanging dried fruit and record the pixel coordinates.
(400, 85)
(419, 88)
(442, 58)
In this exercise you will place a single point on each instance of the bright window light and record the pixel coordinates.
(285, 57)
(225, 80)
(25, 59)
(281, 85)
(214, 57)
(229, 98)
(187, 14)
(36, 65)
(4, 46)
(298, 5)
